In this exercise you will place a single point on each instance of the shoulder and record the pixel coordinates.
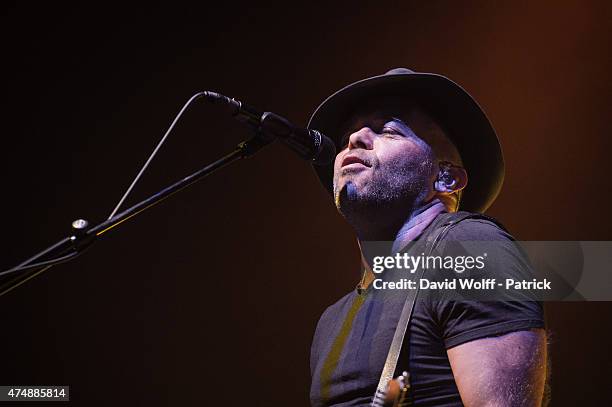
(471, 226)
(473, 233)
(332, 312)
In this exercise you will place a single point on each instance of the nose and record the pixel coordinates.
(363, 138)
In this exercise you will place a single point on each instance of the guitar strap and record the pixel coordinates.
(433, 239)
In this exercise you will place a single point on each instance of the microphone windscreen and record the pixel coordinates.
(327, 153)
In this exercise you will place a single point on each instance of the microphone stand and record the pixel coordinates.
(83, 236)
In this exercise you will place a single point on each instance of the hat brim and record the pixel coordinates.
(451, 106)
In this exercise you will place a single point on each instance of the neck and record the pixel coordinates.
(410, 229)
(416, 224)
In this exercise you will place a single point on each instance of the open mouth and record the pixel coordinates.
(353, 161)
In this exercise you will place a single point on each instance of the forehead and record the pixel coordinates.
(378, 111)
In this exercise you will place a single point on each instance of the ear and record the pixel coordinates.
(451, 179)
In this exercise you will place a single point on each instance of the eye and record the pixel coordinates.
(389, 130)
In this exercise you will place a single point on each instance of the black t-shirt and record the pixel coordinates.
(353, 336)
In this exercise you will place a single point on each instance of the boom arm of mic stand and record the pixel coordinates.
(84, 236)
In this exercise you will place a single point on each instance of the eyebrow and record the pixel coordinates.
(396, 120)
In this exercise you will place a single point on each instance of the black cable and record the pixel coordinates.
(37, 268)
(57, 260)
(157, 147)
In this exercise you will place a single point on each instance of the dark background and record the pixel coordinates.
(214, 294)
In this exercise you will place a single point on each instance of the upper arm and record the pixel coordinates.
(507, 370)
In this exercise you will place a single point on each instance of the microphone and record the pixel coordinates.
(308, 144)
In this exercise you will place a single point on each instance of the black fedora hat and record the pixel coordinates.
(448, 103)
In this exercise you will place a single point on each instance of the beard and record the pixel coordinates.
(397, 186)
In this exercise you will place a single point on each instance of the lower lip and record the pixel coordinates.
(354, 165)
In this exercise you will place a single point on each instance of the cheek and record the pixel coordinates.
(338, 162)
(405, 158)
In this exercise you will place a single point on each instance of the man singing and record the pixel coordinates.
(417, 158)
